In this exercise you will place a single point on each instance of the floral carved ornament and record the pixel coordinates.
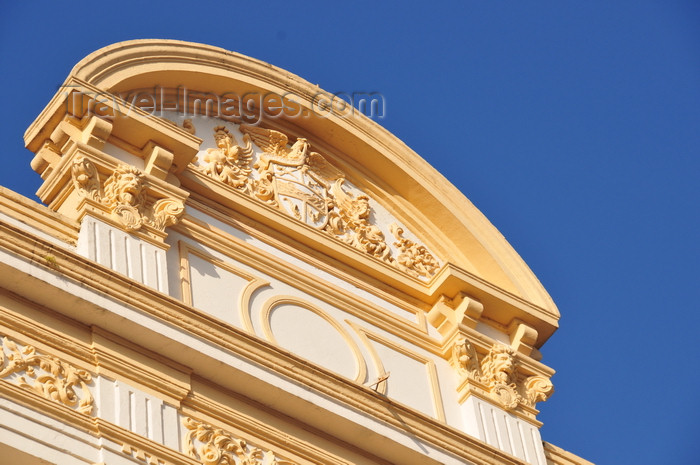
(304, 185)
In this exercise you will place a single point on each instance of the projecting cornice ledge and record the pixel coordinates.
(93, 295)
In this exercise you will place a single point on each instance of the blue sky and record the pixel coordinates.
(574, 127)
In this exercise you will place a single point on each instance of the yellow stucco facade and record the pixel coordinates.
(232, 267)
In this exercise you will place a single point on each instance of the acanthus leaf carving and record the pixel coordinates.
(413, 258)
(498, 374)
(360, 233)
(85, 178)
(46, 375)
(537, 389)
(214, 446)
(229, 162)
(166, 212)
(303, 184)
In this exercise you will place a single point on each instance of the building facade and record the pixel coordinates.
(231, 266)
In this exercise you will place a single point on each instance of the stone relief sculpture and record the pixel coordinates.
(229, 162)
(47, 376)
(304, 185)
(498, 374)
(414, 258)
(124, 194)
(85, 179)
(213, 446)
(356, 229)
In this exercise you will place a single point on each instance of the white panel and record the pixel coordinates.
(213, 352)
(284, 257)
(171, 427)
(503, 430)
(306, 334)
(514, 437)
(137, 411)
(215, 290)
(409, 380)
(43, 437)
(123, 156)
(123, 253)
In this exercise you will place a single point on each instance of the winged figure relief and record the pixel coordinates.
(229, 162)
(303, 183)
(281, 163)
(275, 150)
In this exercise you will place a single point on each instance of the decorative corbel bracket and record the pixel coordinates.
(523, 338)
(448, 314)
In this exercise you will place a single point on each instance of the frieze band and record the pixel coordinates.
(304, 185)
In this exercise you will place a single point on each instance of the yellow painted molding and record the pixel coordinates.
(118, 358)
(263, 426)
(101, 280)
(310, 255)
(38, 216)
(141, 447)
(132, 124)
(558, 456)
(253, 218)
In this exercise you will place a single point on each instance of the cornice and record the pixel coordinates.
(102, 281)
(558, 456)
(38, 216)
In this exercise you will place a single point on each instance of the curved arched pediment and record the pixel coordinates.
(471, 254)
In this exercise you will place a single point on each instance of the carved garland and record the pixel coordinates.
(306, 186)
(497, 372)
(124, 194)
(48, 376)
(213, 446)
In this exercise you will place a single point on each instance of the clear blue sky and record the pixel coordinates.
(574, 127)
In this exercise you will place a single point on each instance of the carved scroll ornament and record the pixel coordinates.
(124, 195)
(229, 162)
(304, 185)
(47, 376)
(213, 446)
(498, 373)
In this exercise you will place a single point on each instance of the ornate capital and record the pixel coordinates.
(498, 375)
(125, 195)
